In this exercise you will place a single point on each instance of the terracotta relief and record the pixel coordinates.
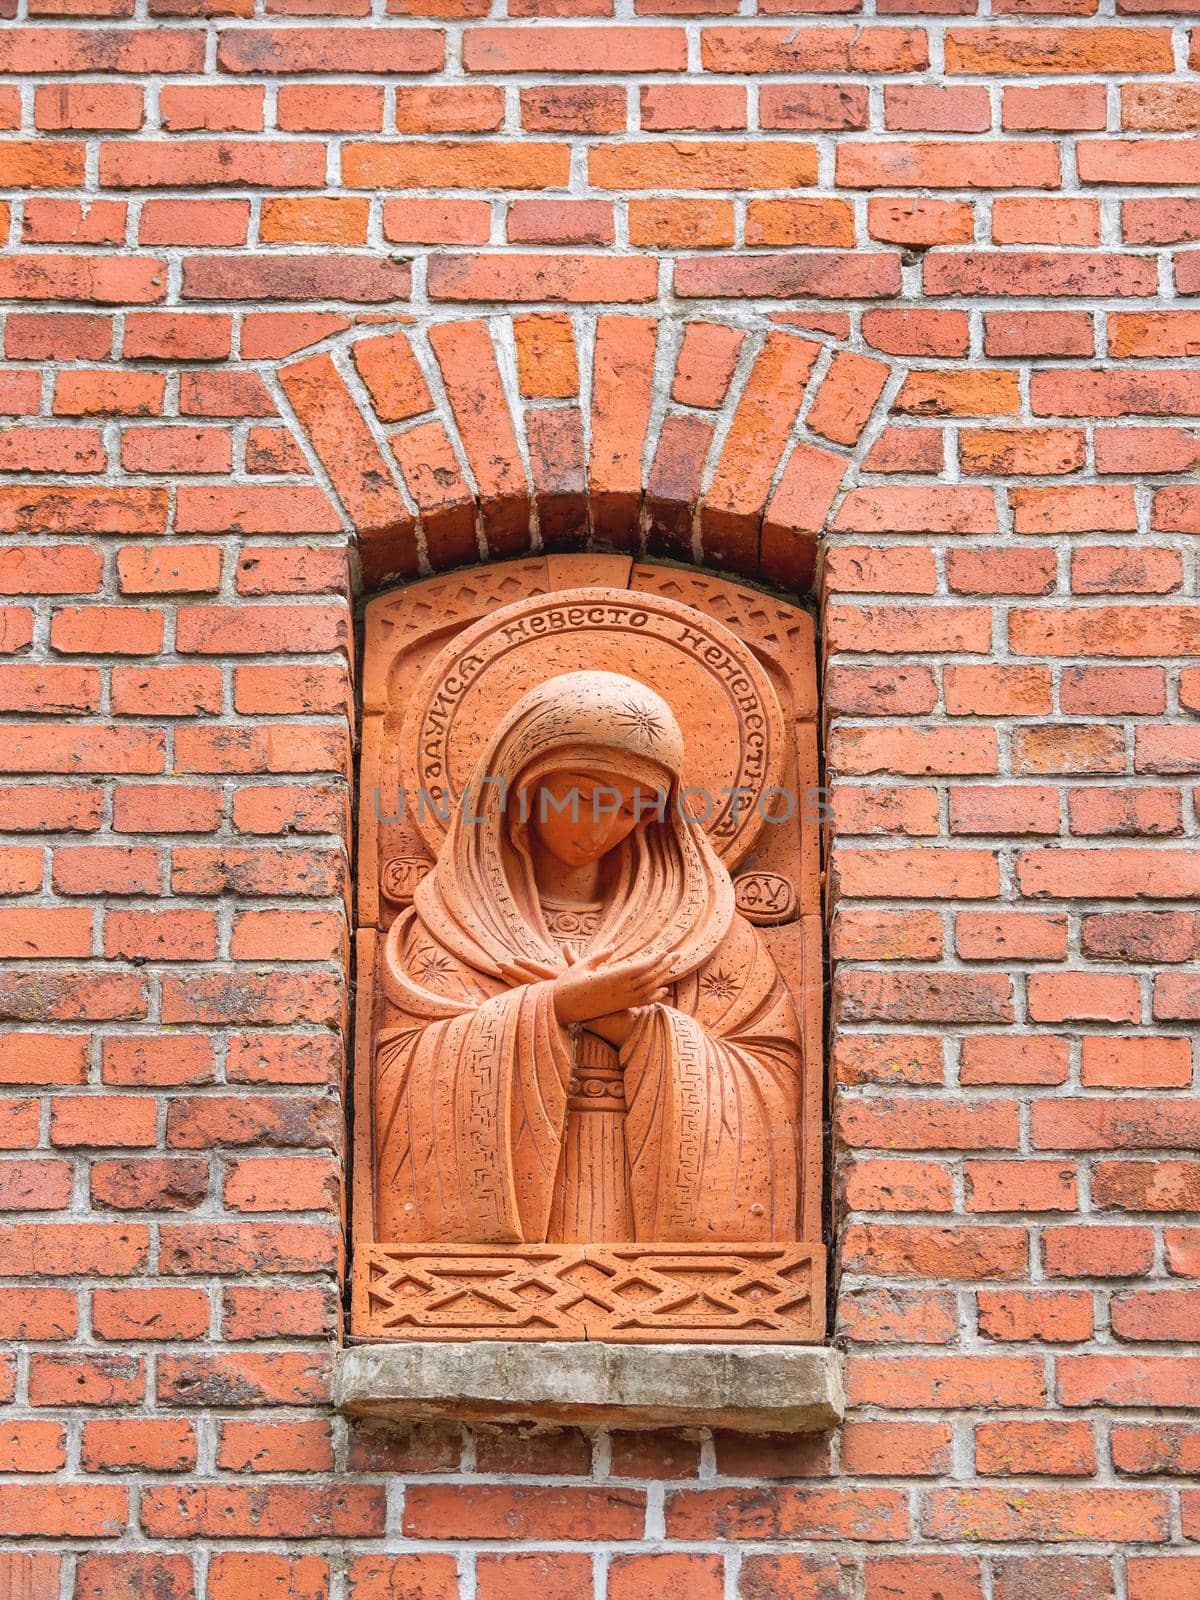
(588, 1087)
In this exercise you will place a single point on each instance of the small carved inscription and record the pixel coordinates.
(400, 877)
(765, 898)
(723, 699)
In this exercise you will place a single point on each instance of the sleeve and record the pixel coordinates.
(470, 1106)
(712, 1085)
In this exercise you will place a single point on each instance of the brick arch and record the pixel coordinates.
(721, 440)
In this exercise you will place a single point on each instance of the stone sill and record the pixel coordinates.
(753, 1388)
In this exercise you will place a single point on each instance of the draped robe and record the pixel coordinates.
(481, 1094)
(472, 1097)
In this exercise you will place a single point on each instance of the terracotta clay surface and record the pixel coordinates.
(572, 1032)
(637, 1292)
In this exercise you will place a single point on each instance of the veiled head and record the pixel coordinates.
(608, 756)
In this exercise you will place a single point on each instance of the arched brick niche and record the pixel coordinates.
(445, 658)
(723, 441)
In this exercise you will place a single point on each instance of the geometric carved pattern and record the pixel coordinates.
(635, 1293)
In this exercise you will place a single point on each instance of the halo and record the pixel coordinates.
(733, 727)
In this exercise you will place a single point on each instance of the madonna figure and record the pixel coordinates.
(583, 1041)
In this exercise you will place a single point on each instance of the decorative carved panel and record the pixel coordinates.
(628, 1294)
(588, 1076)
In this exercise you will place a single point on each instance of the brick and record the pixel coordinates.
(472, 108)
(43, 1058)
(1147, 1185)
(99, 279)
(1055, 108)
(918, 221)
(570, 279)
(846, 397)
(832, 276)
(103, 1121)
(167, 1577)
(551, 48)
(501, 1511)
(243, 1379)
(108, 393)
(51, 336)
(1038, 333)
(914, 1250)
(741, 480)
(794, 1577)
(663, 1454)
(194, 222)
(217, 108)
(1126, 1380)
(468, 366)
(692, 106)
(559, 222)
(919, 333)
(455, 166)
(1015, 1316)
(31, 1447)
(295, 277)
(34, 1185)
(895, 1449)
(112, 1444)
(86, 1380)
(1097, 1252)
(1158, 1577)
(1161, 1317)
(903, 1576)
(305, 1446)
(342, 439)
(1117, 1515)
(571, 108)
(378, 1577)
(187, 163)
(411, 221)
(1058, 51)
(1015, 935)
(879, 1316)
(317, 50)
(561, 1576)
(1020, 1186)
(276, 1510)
(816, 1513)
(1039, 273)
(644, 1577)
(135, 1314)
(948, 164)
(329, 108)
(705, 364)
(1160, 221)
(305, 220)
(176, 450)
(1123, 631)
(149, 1184)
(802, 50)
(1143, 1448)
(622, 364)
(264, 1313)
(1140, 937)
(295, 1184)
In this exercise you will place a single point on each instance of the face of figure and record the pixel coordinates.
(579, 817)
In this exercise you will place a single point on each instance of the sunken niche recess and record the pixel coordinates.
(588, 1073)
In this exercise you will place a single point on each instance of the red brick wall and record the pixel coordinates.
(1000, 206)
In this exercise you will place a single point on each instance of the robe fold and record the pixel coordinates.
(496, 1124)
(476, 1118)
